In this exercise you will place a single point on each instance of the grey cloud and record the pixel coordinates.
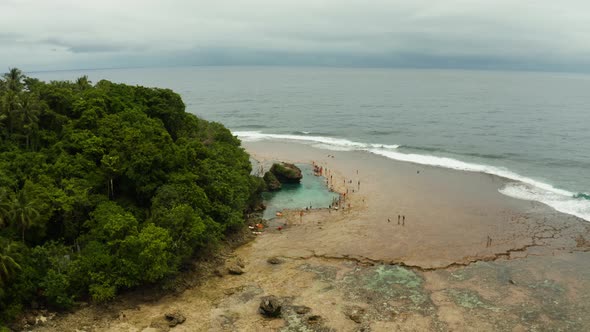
(9, 37)
(93, 47)
(500, 34)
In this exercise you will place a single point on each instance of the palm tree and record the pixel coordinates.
(10, 105)
(14, 79)
(22, 211)
(4, 206)
(29, 110)
(8, 266)
(110, 166)
(2, 118)
(83, 83)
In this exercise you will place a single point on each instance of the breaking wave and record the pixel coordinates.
(330, 143)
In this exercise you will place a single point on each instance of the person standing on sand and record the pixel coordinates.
(359, 188)
(388, 220)
(398, 218)
(403, 220)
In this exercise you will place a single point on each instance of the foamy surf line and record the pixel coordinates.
(525, 188)
(339, 144)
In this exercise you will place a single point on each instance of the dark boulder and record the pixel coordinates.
(235, 269)
(315, 320)
(270, 306)
(272, 183)
(286, 173)
(275, 261)
(355, 313)
(174, 318)
(301, 309)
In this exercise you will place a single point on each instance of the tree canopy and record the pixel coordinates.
(106, 187)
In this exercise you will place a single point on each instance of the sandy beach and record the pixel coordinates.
(449, 215)
(467, 258)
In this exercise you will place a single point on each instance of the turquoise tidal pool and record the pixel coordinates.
(312, 191)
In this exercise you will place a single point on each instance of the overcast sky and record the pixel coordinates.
(486, 34)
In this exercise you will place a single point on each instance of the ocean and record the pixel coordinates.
(532, 128)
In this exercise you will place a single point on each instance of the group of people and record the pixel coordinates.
(401, 220)
(318, 170)
(256, 229)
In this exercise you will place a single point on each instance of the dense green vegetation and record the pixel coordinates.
(107, 187)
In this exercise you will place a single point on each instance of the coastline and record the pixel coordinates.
(352, 269)
(517, 185)
(450, 214)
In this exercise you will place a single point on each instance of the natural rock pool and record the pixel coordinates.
(312, 191)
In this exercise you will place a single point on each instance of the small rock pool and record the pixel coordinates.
(312, 191)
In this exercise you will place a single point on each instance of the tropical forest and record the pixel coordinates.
(107, 187)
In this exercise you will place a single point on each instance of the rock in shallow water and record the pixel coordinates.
(272, 183)
(286, 173)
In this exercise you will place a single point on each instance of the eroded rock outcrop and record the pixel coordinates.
(286, 173)
(272, 183)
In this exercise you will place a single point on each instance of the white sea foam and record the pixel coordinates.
(575, 206)
(525, 188)
(330, 143)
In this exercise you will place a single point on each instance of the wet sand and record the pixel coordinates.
(353, 270)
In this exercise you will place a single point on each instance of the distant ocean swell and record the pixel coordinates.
(577, 204)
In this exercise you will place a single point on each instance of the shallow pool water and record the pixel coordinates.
(312, 191)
